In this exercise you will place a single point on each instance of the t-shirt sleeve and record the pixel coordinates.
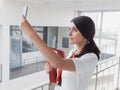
(85, 63)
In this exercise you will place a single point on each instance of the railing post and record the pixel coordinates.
(118, 75)
(49, 86)
(42, 87)
(52, 86)
(96, 77)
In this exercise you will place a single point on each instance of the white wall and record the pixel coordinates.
(5, 54)
(26, 82)
(60, 35)
(11, 12)
(0, 86)
(1, 1)
(0, 54)
(0, 44)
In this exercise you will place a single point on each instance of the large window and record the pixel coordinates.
(107, 31)
(27, 45)
(111, 24)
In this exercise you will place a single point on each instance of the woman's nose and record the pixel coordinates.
(70, 32)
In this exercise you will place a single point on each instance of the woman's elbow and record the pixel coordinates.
(57, 65)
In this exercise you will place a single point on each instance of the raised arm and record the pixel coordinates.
(50, 56)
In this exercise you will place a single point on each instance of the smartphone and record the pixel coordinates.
(25, 10)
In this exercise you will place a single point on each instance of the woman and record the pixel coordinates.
(80, 64)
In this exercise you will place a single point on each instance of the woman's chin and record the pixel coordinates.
(71, 43)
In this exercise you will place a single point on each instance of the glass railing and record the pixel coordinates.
(28, 66)
(108, 50)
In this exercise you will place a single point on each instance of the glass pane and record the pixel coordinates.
(111, 24)
(110, 32)
(15, 52)
(14, 31)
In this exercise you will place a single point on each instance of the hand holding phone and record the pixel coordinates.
(25, 10)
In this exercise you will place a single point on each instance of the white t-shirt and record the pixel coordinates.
(78, 80)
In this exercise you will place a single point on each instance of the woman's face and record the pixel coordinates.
(75, 37)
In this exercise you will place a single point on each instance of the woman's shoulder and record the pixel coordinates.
(89, 56)
(86, 62)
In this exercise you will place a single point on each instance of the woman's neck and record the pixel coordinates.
(79, 47)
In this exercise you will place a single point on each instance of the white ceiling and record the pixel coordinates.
(75, 4)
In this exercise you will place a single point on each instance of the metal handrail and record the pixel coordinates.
(106, 68)
(107, 45)
(105, 50)
(41, 87)
(32, 60)
(118, 74)
(99, 70)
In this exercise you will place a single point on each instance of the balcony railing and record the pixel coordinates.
(108, 50)
(43, 87)
(28, 66)
(105, 77)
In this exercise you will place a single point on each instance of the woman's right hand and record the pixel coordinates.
(47, 67)
(26, 27)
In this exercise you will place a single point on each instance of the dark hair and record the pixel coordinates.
(87, 28)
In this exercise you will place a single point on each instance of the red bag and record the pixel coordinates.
(53, 75)
(53, 72)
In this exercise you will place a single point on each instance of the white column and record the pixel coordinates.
(1, 1)
(0, 55)
(0, 44)
(5, 42)
(118, 54)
